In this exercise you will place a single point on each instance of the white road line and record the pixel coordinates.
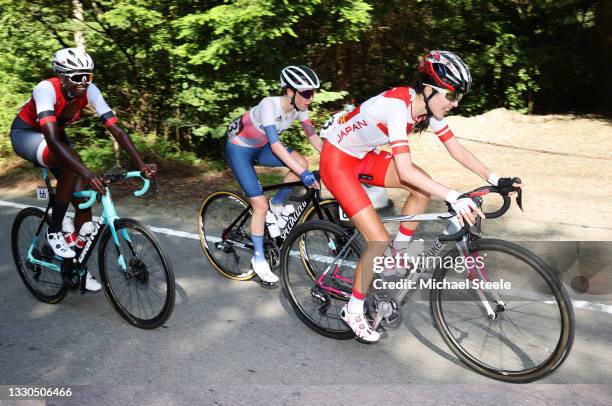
(158, 230)
(580, 304)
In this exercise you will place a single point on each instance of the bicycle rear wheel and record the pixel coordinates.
(228, 250)
(44, 283)
(528, 329)
(308, 252)
(142, 293)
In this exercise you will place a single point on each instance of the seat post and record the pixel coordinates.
(45, 174)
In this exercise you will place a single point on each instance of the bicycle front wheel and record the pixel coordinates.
(330, 209)
(227, 249)
(519, 327)
(136, 274)
(315, 280)
(43, 282)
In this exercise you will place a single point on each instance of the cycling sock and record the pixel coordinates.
(355, 305)
(403, 237)
(258, 249)
(281, 196)
(59, 211)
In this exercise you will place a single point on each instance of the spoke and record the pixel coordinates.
(527, 315)
(484, 343)
(520, 330)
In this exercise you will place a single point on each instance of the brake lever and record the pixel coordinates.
(478, 226)
(519, 196)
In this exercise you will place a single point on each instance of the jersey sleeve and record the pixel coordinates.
(441, 129)
(308, 127)
(271, 133)
(96, 100)
(44, 99)
(398, 119)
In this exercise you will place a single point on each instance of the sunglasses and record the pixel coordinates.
(449, 95)
(79, 78)
(306, 94)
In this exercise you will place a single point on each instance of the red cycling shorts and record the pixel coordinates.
(343, 175)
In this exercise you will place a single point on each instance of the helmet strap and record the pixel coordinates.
(427, 98)
(65, 89)
(293, 99)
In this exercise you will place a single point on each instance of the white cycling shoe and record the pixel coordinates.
(58, 244)
(360, 326)
(262, 269)
(91, 283)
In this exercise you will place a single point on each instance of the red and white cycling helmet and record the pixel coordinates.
(446, 70)
(69, 60)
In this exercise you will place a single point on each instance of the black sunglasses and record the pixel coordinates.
(307, 94)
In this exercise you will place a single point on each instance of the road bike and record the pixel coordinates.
(498, 306)
(134, 269)
(224, 220)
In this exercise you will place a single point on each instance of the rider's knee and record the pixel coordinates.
(260, 205)
(422, 198)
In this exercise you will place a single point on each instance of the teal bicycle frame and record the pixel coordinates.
(107, 218)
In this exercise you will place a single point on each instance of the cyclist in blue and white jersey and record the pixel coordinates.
(253, 139)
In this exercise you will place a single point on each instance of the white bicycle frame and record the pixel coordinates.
(423, 271)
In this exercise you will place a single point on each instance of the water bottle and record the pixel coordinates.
(86, 229)
(271, 224)
(283, 218)
(68, 231)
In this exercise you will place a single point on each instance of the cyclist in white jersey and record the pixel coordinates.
(253, 139)
(350, 156)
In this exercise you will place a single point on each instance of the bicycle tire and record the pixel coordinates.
(330, 209)
(31, 274)
(530, 262)
(298, 235)
(142, 277)
(208, 238)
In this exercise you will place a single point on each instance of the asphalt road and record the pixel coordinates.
(233, 342)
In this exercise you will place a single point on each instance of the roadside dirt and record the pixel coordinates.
(565, 162)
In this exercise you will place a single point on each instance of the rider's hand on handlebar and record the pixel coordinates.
(309, 179)
(506, 182)
(96, 184)
(149, 170)
(464, 207)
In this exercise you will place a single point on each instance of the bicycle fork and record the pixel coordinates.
(478, 271)
(110, 214)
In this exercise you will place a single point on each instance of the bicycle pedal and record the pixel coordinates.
(267, 284)
(245, 274)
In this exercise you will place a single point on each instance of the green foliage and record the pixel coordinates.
(180, 70)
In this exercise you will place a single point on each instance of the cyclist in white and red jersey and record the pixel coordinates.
(253, 139)
(37, 134)
(350, 156)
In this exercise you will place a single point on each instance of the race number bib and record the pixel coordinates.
(328, 128)
(235, 127)
(342, 215)
(42, 193)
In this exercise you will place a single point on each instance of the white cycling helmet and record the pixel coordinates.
(299, 78)
(72, 60)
